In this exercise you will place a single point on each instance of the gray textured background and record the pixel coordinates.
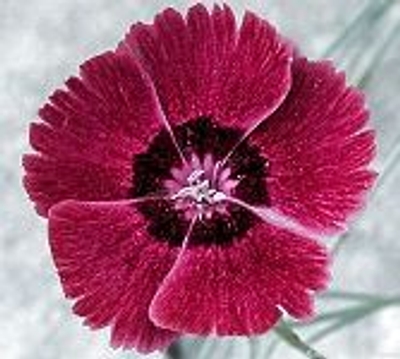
(43, 41)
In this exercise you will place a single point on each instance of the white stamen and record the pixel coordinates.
(200, 188)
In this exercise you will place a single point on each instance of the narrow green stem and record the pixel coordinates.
(285, 332)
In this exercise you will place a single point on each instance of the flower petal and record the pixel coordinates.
(204, 66)
(318, 149)
(241, 288)
(90, 132)
(109, 264)
(51, 181)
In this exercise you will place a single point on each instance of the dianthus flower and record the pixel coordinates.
(188, 174)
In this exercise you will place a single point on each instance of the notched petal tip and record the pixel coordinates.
(225, 10)
(199, 10)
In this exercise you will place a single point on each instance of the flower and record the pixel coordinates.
(188, 174)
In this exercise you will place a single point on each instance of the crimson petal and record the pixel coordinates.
(204, 66)
(90, 132)
(318, 149)
(109, 264)
(241, 288)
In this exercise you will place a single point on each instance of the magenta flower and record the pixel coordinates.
(187, 174)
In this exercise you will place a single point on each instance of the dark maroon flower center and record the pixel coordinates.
(201, 187)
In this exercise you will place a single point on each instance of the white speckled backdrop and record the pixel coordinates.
(44, 41)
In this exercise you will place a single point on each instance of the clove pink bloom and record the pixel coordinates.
(188, 174)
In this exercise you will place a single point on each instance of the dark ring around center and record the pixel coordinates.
(201, 136)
